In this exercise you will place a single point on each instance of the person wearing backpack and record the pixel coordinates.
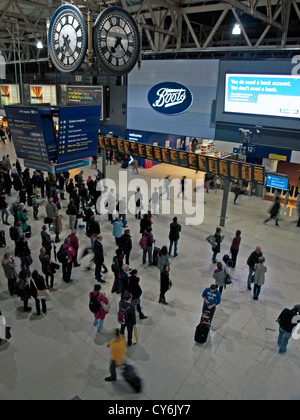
(65, 256)
(127, 310)
(98, 302)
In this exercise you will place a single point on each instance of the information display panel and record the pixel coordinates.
(193, 161)
(27, 129)
(157, 154)
(183, 159)
(134, 148)
(224, 168)
(246, 172)
(114, 145)
(213, 165)
(259, 175)
(142, 150)
(234, 169)
(127, 148)
(174, 157)
(149, 152)
(202, 163)
(107, 142)
(78, 132)
(121, 148)
(101, 142)
(165, 153)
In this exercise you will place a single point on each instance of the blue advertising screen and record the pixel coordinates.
(277, 182)
(261, 94)
(78, 132)
(29, 133)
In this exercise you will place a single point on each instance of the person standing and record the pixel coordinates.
(274, 212)
(24, 253)
(101, 314)
(212, 298)
(237, 191)
(259, 277)
(98, 258)
(72, 211)
(175, 229)
(38, 284)
(163, 258)
(252, 260)
(134, 288)
(117, 354)
(67, 265)
(286, 327)
(75, 245)
(123, 211)
(220, 277)
(138, 203)
(24, 289)
(164, 284)
(47, 269)
(10, 272)
(127, 305)
(57, 226)
(147, 249)
(111, 204)
(217, 249)
(117, 230)
(3, 208)
(125, 244)
(235, 246)
(46, 240)
(207, 180)
(51, 210)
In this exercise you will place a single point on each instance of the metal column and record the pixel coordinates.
(225, 201)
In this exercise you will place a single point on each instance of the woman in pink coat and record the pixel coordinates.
(101, 314)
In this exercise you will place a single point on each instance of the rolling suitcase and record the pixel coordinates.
(2, 239)
(203, 328)
(155, 255)
(228, 260)
(131, 377)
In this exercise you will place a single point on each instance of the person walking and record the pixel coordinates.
(163, 258)
(135, 165)
(165, 283)
(101, 314)
(38, 284)
(134, 288)
(217, 249)
(220, 277)
(118, 351)
(286, 327)
(182, 183)
(10, 272)
(212, 298)
(125, 244)
(67, 264)
(175, 229)
(23, 289)
(235, 246)
(237, 191)
(274, 212)
(98, 258)
(252, 260)
(259, 277)
(138, 196)
(127, 306)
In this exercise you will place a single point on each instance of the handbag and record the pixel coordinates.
(212, 240)
(41, 294)
(29, 260)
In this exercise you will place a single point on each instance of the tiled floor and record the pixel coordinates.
(60, 356)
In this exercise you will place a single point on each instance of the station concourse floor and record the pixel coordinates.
(59, 356)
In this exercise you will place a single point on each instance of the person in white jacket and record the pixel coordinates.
(259, 277)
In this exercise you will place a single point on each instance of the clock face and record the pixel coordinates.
(116, 41)
(67, 40)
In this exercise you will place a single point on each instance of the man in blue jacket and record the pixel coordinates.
(212, 298)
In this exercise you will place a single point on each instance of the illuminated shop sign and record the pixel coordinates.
(170, 98)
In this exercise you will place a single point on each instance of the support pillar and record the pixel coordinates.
(225, 201)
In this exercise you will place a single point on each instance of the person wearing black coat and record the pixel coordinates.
(125, 244)
(252, 260)
(286, 326)
(164, 284)
(38, 283)
(127, 304)
(134, 288)
(98, 258)
(274, 211)
(217, 249)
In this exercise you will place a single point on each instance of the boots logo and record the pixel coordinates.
(170, 98)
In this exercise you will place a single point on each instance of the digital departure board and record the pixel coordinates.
(202, 163)
(221, 167)
(149, 152)
(114, 145)
(78, 132)
(101, 142)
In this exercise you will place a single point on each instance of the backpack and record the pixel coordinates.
(123, 314)
(13, 233)
(149, 242)
(62, 254)
(76, 178)
(115, 265)
(94, 304)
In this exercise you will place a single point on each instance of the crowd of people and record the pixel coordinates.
(38, 189)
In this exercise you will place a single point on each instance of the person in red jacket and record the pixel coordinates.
(75, 245)
(67, 266)
(101, 314)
